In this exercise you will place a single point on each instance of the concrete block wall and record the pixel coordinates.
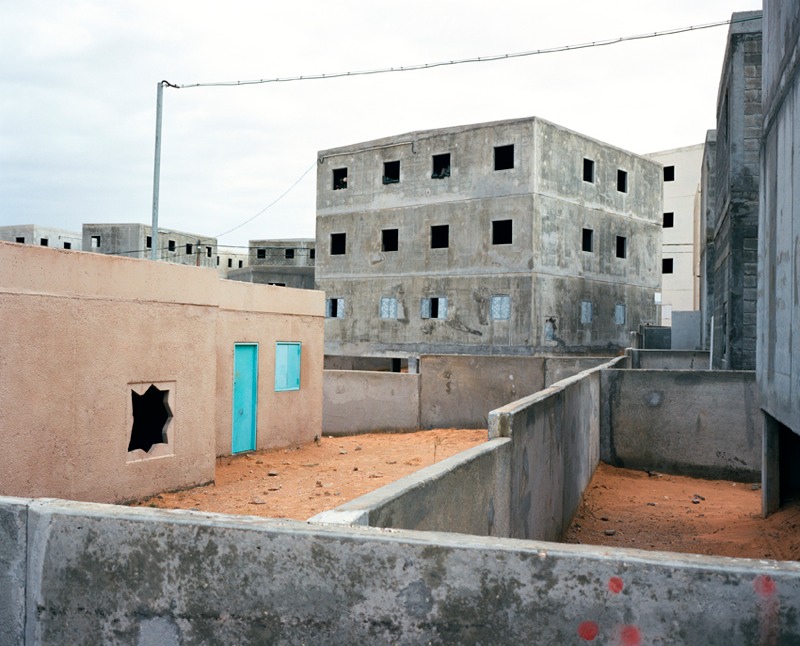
(105, 574)
(667, 359)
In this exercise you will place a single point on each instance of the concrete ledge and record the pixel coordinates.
(668, 359)
(13, 565)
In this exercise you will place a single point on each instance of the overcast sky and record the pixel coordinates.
(77, 107)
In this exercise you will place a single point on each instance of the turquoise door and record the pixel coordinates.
(245, 396)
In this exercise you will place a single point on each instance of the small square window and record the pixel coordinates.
(391, 172)
(261, 253)
(622, 247)
(666, 265)
(338, 244)
(334, 308)
(501, 231)
(20, 239)
(44, 242)
(504, 157)
(95, 242)
(500, 307)
(440, 236)
(189, 249)
(67, 245)
(441, 166)
(339, 179)
(619, 314)
(586, 312)
(287, 366)
(148, 242)
(171, 245)
(669, 173)
(622, 181)
(669, 220)
(389, 240)
(388, 307)
(588, 170)
(288, 254)
(587, 243)
(433, 308)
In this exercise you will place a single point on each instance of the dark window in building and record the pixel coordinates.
(151, 417)
(44, 242)
(588, 240)
(669, 220)
(504, 157)
(230, 262)
(334, 308)
(241, 263)
(440, 236)
(67, 245)
(289, 253)
(391, 172)
(149, 242)
(95, 242)
(433, 308)
(501, 231)
(339, 179)
(20, 239)
(622, 247)
(441, 166)
(389, 240)
(666, 265)
(208, 252)
(313, 254)
(669, 173)
(171, 245)
(338, 244)
(189, 248)
(217, 261)
(622, 181)
(261, 253)
(588, 170)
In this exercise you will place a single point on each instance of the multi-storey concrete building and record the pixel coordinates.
(135, 241)
(707, 222)
(511, 237)
(42, 236)
(286, 263)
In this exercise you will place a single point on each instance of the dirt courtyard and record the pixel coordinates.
(621, 508)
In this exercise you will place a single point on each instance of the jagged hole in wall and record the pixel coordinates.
(151, 417)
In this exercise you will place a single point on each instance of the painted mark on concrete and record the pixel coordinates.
(769, 609)
(615, 585)
(630, 636)
(654, 398)
(764, 585)
(588, 630)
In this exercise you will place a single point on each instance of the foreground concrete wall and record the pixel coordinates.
(364, 402)
(102, 574)
(701, 424)
(667, 360)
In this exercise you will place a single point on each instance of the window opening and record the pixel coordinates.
(391, 172)
(261, 253)
(550, 327)
(189, 248)
(504, 157)
(434, 308)
(501, 231)
(208, 252)
(586, 312)
(289, 253)
(44, 242)
(313, 254)
(622, 247)
(441, 166)
(669, 220)
(217, 261)
(500, 307)
(619, 314)
(334, 308)
(588, 240)
(241, 264)
(287, 366)
(588, 170)
(171, 245)
(230, 262)
(389, 240)
(338, 244)
(67, 245)
(148, 242)
(666, 265)
(151, 417)
(669, 173)
(622, 181)
(95, 242)
(440, 236)
(20, 239)
(339, 179)
(388, 307)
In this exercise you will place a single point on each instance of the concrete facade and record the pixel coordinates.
(135, 241)
(43, 236)
(119, 328)
(230, 259)
(708, 220)
(736, 196)
(528, 238)
(285, 263)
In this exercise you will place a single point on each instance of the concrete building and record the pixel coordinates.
(231, 259)
(514, 237)
(778, 369)
(42, 236)
(135, 241)
(736, 196)
(707, 223)
(680, 249)
(286, 263)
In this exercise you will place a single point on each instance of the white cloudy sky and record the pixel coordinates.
(77, 107)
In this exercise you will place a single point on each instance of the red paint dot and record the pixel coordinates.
(588, 630)
(630, 636)
(615, 584)
(764, 585)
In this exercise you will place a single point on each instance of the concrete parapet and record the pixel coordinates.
(668, 359)
(13, 564)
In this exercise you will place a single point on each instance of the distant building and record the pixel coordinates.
(231, 259)
(286, 263)
(135, 241)
(41, 236)
(513, 237)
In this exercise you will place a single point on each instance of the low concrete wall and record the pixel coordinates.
(558, 368)
(105, 574)
(357, 401)
(702, 424)
(668, 359)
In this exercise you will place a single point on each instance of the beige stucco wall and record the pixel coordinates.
(79, 331)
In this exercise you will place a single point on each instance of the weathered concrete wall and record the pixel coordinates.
(701, 424)
(101, 574)
(13, 570)
(290, 276)
(686, 330)
(667, 360)
(558, 368)
(357, 401)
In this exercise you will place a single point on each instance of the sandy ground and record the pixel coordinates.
(621, 508)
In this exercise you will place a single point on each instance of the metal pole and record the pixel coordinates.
(156, 173)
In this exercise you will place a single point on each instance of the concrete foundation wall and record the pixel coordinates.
(103, 574)
(364, 402)
(668, 360)
(701, 424)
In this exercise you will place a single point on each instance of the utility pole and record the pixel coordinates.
(154, 251)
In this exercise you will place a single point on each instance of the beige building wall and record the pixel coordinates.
(80, 332)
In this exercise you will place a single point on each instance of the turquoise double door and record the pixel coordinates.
(245, 396)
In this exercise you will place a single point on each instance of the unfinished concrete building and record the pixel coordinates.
(511, 237)
(136, 241)
(43, 236)
(285, 263)
(707, 222)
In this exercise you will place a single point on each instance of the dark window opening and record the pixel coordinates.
(21, 239)
(339, 179)
(669, 173)
(501, 231)
(622, 181)
(588, 170)
(289, 253)
(189, 248)
(338, 244)
(622, 247)
(241, 264)
(434, 308)
(666, 265)
(391, 172)
(313, 254)
(149, 242)
(230, 262)
(441, 166)
(504, 157)
(44, 242)
(208, 252)
(217, 261)
(67, 245)
(333, 308)
(277, 284)
(440, 236)
(151, 417)
(397, 365)
(261, 253)
(588, 240)
(95, 242)
(669, 220)
(171, 245)
(389, 240)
